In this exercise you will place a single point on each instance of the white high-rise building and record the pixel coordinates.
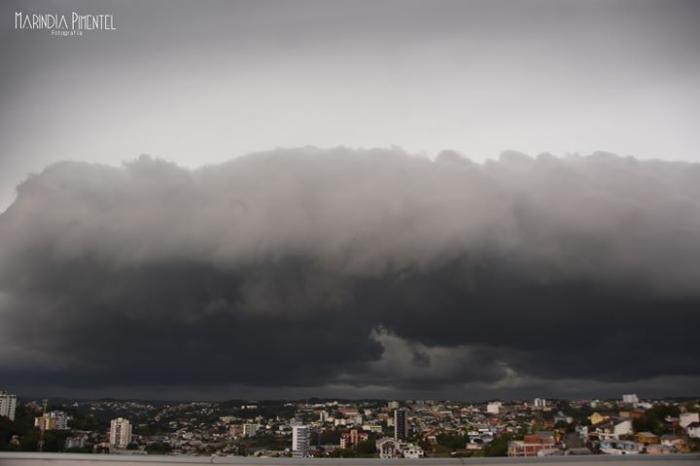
(8, 405)
(300, 441)
(120, 433)
(630, 398)
(540, 403)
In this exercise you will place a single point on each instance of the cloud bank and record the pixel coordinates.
(362, 268)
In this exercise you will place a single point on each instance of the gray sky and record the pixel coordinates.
(351, 271)
(201, 82)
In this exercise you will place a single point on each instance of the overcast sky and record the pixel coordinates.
(404, 271)
(200, 82)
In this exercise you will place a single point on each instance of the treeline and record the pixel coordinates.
(21, 435)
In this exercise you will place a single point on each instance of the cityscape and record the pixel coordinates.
(324, 428)
(349, 232)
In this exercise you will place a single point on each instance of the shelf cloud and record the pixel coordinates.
(325, 267)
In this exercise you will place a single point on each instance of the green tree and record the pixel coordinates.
(366, 448)
(454, 442)
(498, 446)
(654, 419)
(22, 427)
(55, 440)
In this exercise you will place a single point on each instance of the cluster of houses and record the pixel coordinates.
(613, 435)
(616, 435)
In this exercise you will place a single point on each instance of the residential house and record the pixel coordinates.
(623, 428)
(391, 448)
(678, 444)
(647, 438)
(533, 444)
(620, 447)
(693, 430)
(685, 419)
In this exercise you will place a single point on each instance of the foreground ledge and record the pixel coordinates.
(68, 459)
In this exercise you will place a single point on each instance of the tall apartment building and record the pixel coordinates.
(119, 433)
(8, 405)
(400, 425)
(300, 441)
(540, 403)
(630, 398)
(53, 420)
(250, 430)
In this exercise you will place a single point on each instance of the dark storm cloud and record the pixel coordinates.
(313, 267)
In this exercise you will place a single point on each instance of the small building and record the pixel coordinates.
(535, 444)
(597, 418)
(603, 431)
(621, 447)
(494, 407)
(390, 448)
(693, 430)
(523, 448)
(76, 441)
(412, 451)
(678, 444)
(561, 417)
(685, 419)
(647, 438)
(659, 449)
(544, 436)
(474, 445)
(623, 428)
(635, 413)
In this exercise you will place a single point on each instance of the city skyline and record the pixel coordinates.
(368, 429)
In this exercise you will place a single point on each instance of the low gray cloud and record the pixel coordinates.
(356, 268)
